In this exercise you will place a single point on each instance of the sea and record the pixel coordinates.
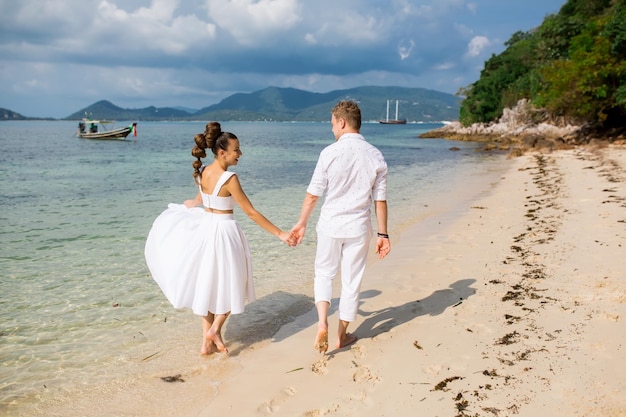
(77, 304)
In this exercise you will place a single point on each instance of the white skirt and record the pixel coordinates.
(200, 260)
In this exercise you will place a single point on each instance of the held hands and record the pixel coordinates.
(289, 238)
(294, 237)
(298, 231)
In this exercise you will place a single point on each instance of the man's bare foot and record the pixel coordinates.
(347, 340)
(321, 341)
(216, 340)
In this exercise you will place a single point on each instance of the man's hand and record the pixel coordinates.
(383, 247)
(298, 231)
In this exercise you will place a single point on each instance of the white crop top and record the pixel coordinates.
(213, 201)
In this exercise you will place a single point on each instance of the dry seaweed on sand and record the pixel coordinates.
(173, 378)
(442, 386)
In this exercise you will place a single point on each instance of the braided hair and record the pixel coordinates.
(212, 138)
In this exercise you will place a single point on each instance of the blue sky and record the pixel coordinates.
(58, 56)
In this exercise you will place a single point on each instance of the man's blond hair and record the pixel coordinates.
(349, 111)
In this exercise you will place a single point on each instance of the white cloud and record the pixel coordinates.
(252, 22)
(156, 27)
(445, 66)
(405, 51)
(59, 55)
(477, 45)
(310, 39)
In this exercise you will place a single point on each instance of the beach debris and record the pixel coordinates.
(492, 410)
(149, 356)
(510, 319)
(117, 305)
(442, 386)
(512, 295)
(173, 378)
(417, 345)
(508, 339)
(294, 370)
(506, 362)
(461, 403)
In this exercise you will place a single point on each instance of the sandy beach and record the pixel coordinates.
(515, 307)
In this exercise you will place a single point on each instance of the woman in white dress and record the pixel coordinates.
(197, 252)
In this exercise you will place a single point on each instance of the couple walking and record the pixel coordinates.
(200, 258)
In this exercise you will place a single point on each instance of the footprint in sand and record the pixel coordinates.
(320, 367)
(610, 316)
(433, 369)
(274, 404)
(358, 350)
(321, 412)
(364, 374)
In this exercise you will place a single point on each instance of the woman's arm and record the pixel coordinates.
(234, 187)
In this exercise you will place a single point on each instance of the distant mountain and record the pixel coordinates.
(287, 104)
(10, 115)
(106, 110)
(186, 109)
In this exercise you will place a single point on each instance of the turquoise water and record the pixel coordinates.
(75, 294)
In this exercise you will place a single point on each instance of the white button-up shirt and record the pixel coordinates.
(352, 173)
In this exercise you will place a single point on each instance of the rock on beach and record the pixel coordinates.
(524, 128)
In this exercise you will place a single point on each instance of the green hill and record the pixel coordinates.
(106, 110)
(289, 104)
(10, 115)
(573, 66)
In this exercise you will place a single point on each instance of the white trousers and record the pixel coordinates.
(349, 254)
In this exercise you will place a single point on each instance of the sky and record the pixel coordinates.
(59, 56)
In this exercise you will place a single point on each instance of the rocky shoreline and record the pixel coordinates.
(524, 128)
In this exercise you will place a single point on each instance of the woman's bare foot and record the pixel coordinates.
(321, 341)
(346, 340)
(216, 340)
(207, 348)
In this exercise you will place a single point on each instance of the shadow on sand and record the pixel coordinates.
(381, 321)
(264, 317)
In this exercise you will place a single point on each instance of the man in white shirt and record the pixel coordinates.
(353, 174)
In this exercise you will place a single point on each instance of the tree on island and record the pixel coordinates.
(573, 66)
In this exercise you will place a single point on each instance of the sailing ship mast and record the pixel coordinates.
(396, 121)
